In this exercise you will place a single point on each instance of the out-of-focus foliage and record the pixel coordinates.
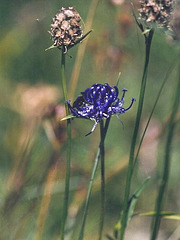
(33, 139)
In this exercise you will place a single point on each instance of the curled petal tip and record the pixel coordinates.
(92, 130)
(124, 90)
(132, 100)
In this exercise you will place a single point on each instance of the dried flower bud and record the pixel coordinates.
(66, 29)
(176, 21)
(157, 11)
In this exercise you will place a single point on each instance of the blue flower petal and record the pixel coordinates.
(98, 102)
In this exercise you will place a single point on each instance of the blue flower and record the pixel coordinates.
(98, 102)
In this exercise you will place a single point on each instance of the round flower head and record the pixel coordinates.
(66, 29)
(157, 11)
(98, 102)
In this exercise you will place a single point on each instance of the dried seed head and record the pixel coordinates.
(157, 11)
(66, 29)
(176, 20)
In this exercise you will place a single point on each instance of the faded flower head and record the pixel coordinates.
(157, 11)
(98, 102)
(176, 20)
(66, 29)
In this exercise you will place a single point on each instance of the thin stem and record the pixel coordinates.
(63, 55)
(166, 164)
(135, 133)
(81, 234)
(154, 106)
(88, 194)
(68, 162)
(102, 153)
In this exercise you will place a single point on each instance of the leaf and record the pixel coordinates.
(173, 217)
(68, 117)
(80, 40)
(166, 215)
(134, 198)
(136, 19)
(51, 47)
(83, 37)
(70, 46)
(146, 31)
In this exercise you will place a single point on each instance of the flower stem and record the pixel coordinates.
(68, 162)
(166, 164)
(81, 234)
(102, 153)
(135, 134)
(154, 106)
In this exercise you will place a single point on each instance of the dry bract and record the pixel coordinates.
(66, 29)
(176, 20)
(159, 12)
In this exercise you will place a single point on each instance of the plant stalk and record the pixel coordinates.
(81, 234)
(154, 106)
(102, 153)
(135, 134)
(166, 164)
(68, 161)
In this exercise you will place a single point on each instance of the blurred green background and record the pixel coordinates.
(33, 140)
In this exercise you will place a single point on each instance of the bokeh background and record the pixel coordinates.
(33, 139)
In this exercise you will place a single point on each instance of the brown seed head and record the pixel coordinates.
(157, 11)
(66, 29)
(176, 20)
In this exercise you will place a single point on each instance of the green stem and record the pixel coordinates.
(153, 109)
(63, 78)
(81, 234)
(68, 162)
(135, 133)
(166, 164)
(102, 153)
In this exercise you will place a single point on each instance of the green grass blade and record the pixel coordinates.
(154, 106)
(166, 215)
(167, 160)
(134, 198)
(135, 134)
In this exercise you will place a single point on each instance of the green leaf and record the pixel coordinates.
(132, 204)
(83, 37)
(51, 47)
(173, 217)
(68, 117)
(166, 215)
(146, 31)
(134, 198)
(136, 19)
(80, 40)
(68, 47)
